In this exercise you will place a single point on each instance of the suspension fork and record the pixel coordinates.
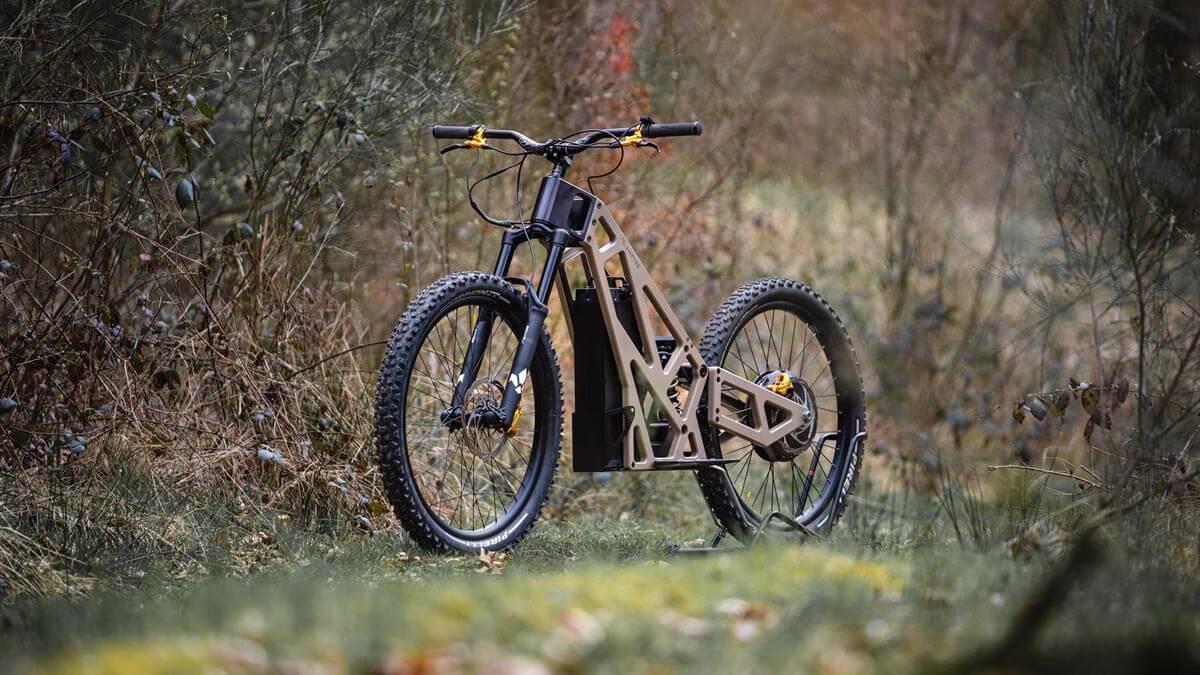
(481, 333)
(536, 307)
(535, 300)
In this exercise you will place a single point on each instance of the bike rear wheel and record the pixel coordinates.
(469, 488)
(765, 328)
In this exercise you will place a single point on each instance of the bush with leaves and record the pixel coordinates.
(1111, 134)
(175, 183)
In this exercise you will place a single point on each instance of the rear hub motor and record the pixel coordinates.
(791, 446)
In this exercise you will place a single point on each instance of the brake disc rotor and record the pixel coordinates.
(484, 395)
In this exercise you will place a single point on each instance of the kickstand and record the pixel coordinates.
(789, 523)
(675, 549)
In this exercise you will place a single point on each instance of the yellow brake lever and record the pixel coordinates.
(475, 142)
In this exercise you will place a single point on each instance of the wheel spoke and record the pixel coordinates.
(777, 337)
(468, 478)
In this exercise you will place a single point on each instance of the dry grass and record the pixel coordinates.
(193, 399)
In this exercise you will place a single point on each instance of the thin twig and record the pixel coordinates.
(314, 364)
(1052, 472)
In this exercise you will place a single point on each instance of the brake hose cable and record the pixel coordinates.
(524, 223)
(519, 223)
(620, 157)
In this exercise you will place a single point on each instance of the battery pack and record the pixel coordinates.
(600, 420)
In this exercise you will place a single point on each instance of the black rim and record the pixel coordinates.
(471, 481)
(779, 337)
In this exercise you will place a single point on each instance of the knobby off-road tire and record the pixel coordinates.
(412, 459)
(783, 305)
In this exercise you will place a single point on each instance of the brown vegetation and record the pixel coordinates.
(210, 219)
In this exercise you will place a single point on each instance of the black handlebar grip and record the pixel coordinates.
(446, 131)
(675, 129)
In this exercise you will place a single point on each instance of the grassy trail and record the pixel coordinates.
(599, 598)
(406, 615)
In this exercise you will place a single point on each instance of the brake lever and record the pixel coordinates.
(463, 146)
(641, 144)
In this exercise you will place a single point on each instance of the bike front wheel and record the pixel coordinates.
(465, 487)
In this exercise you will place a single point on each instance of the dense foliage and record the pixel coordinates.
(211, 215)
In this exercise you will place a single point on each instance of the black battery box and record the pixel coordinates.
(600, 421)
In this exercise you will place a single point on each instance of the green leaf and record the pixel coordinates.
(1018, 413)
(1089, 398)
(237, 233)
(206, 109)
(1122, 392)
(1057, 401)
(150, 170)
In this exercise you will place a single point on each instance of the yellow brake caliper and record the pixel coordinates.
(782, 384)
(512, 429)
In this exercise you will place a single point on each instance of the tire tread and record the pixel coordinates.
(720, 495)
(398, 481)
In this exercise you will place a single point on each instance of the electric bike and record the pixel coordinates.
(766, 410)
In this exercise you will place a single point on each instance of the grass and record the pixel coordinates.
(139, 576)
(602, 596)
(612, 605)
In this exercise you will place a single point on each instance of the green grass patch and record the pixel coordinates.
(594, 614)
(219, 586)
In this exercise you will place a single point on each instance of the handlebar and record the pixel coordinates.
(557, 150)
(457, 132)
(448, 131)
(614, 136)
(673, 129)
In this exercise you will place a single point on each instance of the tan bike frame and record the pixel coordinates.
(646, 378)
